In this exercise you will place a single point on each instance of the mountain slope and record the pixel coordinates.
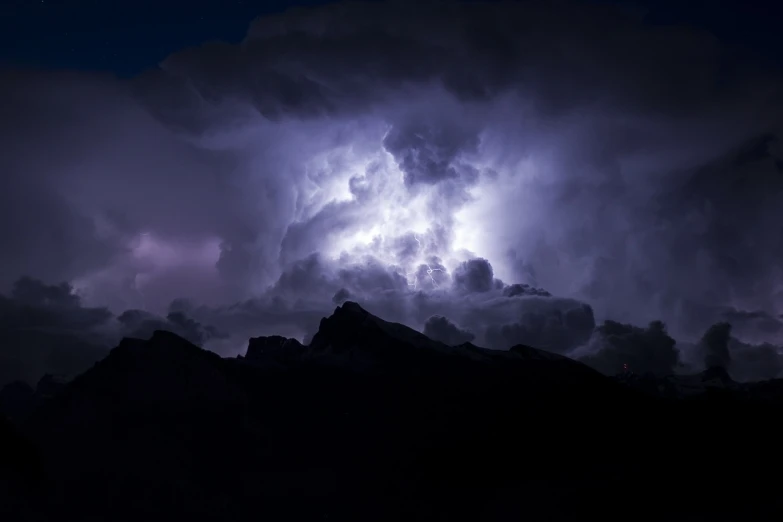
(374, 421)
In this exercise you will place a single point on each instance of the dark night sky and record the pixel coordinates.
(623, 161)
(127, 37)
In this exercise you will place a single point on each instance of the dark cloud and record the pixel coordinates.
(325, 61)
(45, 329)
(753, 362)
(760, 319)
(33, 304)
(744, 361)
(413, 159)
(441, 329)
(524, 289)
(54, 246)
(618, 347)
(557, 325)
(430, 155)
(725, 211)
(141, 324)
(715, 344)
(750, 325)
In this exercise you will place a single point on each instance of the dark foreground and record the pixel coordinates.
(373, 421)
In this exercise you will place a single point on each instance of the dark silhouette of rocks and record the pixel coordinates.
(274, 349)
(17, 400)
(375, 421)
(28, 354)
(50, 385)
(21, 474)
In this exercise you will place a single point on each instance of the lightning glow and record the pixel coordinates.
(367, 182)
(389, 211)
(415, 281)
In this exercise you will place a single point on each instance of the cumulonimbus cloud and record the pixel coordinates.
(421, 164)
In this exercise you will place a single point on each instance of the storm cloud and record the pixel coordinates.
(526, 171)
(47, 329)
(441, 329)
(617, 348)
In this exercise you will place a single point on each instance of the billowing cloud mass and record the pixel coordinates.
(441, 329)
(522, 170)
(715, 344)
(617, 347)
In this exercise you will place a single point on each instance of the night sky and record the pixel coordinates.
(505, 173)
(127, 37)
(123, 37)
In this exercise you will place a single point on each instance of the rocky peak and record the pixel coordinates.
(164, 369)
(273, 348)
(50, 385)
(352, 337)
(351, 324)
(17, 399)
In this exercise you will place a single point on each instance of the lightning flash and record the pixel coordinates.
(413, 279)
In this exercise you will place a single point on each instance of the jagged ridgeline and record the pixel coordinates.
(375, 421)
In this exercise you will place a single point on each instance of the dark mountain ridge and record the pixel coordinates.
(375, 421)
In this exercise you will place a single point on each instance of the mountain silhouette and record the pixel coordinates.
(375, 421)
